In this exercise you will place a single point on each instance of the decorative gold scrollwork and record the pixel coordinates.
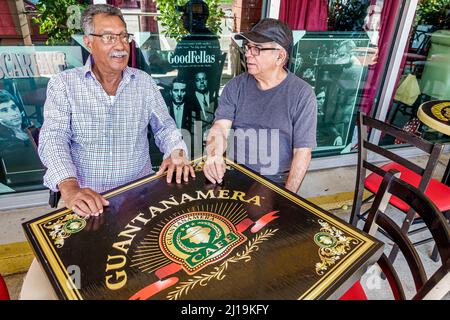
(64, 227)
(333, 245)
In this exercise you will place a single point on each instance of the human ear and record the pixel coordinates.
(87, 42)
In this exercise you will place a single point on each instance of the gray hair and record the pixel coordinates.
(94, 9)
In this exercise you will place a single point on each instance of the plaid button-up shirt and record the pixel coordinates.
(102, 143)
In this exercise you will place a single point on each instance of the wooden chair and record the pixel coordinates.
(438, 284)
(416, 57)
(4, 295)
(409, 171)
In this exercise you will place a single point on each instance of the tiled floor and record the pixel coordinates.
(14, 284)
(377, 288)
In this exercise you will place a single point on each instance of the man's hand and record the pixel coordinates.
(214, 169)
(82, 201)
(216, 144)
(178, 163)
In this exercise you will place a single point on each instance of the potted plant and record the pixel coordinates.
(434, 13)
(346, 15)
(171, 18)
(59, 19)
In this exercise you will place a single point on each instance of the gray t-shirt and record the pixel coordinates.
(268, 124)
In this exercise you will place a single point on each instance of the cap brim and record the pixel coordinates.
(253, 37)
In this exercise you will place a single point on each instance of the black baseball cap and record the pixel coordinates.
(269, 30)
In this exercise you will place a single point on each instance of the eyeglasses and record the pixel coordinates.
(255, 51)
(111, 38)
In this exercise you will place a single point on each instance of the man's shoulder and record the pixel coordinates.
(70, 73)
(239, 80)
(299, 82)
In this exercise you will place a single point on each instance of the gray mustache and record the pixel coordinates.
(118, 54)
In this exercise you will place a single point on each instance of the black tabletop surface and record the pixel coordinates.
(245, 239)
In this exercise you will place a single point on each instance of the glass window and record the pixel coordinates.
(341, 48)
(425, 70)
(336, 67)
(190, 66)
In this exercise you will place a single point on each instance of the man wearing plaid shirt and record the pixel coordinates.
(94, 136)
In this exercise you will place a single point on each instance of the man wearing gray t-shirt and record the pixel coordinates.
(269, 113)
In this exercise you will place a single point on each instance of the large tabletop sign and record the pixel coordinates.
(245, 239)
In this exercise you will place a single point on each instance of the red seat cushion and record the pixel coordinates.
(438, 192)
(415, 57)
(3, 290)
(355, 293)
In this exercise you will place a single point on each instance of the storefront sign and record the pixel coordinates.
(38, 64)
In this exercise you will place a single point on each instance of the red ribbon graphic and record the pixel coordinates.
(154, 288)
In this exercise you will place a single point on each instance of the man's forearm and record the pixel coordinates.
(68, 185)
(169, 141)
(216, 142)
(299, 166)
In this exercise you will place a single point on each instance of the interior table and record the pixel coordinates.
(436, 115)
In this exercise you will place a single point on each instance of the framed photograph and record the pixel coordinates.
(335, 65)
(24, 75)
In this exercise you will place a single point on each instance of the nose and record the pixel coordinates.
(13, 112)
(121, 45)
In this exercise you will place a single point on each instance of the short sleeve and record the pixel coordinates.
(228, 102)
(305, 120)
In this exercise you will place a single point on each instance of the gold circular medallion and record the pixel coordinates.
(197, 239)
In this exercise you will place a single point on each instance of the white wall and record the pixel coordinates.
(274, 8)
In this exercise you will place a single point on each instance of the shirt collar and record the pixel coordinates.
(128, 73)
(199, 94)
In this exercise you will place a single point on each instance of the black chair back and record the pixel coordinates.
(33, 134)
(365, 123)
(438, 284)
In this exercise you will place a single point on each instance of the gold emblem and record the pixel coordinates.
(198, 239)
(333, 245)
(218, 273)
(441, 111)
(64, 227)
